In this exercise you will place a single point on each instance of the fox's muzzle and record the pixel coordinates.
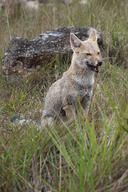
(99, 63)
(95, 67)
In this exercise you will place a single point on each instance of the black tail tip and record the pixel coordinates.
(15, 118)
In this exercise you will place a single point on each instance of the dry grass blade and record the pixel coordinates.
(60, 171)
(37, 186)
(120, 181)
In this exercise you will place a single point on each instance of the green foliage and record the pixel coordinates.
(87, 155)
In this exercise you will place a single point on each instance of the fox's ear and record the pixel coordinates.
(74, 41)
(93, 36)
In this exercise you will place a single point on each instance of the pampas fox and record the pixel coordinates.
(76, 85)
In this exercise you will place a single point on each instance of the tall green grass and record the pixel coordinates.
(87, 155)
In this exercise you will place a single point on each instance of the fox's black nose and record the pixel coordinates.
(99, 63)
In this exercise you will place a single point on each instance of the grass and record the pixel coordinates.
(87, 155)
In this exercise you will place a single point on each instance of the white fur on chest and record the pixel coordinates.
(87, 80)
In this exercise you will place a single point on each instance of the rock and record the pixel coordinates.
(83, 2)
(22, 54)
(32, 5)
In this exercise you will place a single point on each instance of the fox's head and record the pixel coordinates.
(86, 53)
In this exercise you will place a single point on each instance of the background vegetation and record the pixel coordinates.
(87, 155)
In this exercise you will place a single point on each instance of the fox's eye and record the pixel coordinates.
(98, 53)
(88, 54)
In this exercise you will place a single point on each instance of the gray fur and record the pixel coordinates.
(75, 86)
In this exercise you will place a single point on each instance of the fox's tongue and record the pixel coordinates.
(96, 69)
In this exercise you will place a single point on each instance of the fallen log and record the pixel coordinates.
(23, 55)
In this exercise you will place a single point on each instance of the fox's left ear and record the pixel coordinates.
(74, 41)
(93, 36)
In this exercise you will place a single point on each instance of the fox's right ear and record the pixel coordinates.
(74, 41)
(93, 36)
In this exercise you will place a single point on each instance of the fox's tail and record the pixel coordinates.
(21, 121)
(40, 124)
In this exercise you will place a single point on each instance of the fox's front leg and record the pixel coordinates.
(70, 111)
(69, 107)
(85, 103)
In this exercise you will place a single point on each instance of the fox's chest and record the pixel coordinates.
(77, 95)
(83, 86)
(83, 80)
(80, 93)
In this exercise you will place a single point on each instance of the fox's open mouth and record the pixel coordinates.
(94, 68)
